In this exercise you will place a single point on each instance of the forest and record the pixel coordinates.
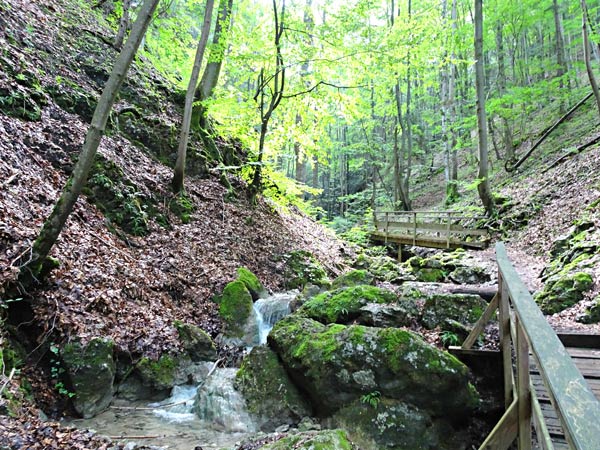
(299, 224)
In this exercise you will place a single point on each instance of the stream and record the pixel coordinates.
(212, 415)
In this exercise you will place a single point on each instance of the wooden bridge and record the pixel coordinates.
(550, 392)
(436, 229)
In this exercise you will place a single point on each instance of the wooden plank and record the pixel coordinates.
(575, 403)
(505, 347)
(543, 435)
(481, 323)
(523, 389)
(505, 431)
(579, 340)
(583, 353)
(425, 242)
(430, 227)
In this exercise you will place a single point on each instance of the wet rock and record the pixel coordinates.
(252, 283)
(270, 395)
(90, 369)
(392, 424)
(336, 365)
(463, 308)
(196, 342)
(235, 308)
(312, 440)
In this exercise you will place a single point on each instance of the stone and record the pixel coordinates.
(344, 305)
(302, 268)
(463, 308)
(592, 313)
(394, 425)
(336, 364)
(383, 268)
(271, 397)
(562, 291)
(252, 283)
(402, 314)
(235, 308)
(196, 342)
(312, 440)
(469, 275)
(353, 278)
(90, 369)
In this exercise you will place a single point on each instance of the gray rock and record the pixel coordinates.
(463, 308)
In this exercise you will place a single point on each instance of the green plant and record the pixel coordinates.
(449, 338)
(57, 371)
(372, 399)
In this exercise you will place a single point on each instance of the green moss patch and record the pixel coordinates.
(561, 292)
(235, 306)
(160, 374)
(251, 282)
(302, 268)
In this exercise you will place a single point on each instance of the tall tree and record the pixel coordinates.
(587, 53)
(52, 227)
(212, 71)
(483, 187)
(123, 25)
(269, 95)
(179, 171)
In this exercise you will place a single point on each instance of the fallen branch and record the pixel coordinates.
(10, 179)
(511, 168)
(572, 153)
(10, 377)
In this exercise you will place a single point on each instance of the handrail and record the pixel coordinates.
(523, 325)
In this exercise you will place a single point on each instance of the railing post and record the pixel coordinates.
(505, 347)
(387, 220)
(523, 388)
(414, 228)
(448, 231)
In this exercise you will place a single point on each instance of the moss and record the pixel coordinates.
(251, 282)
(313, 440)
(353, 278)
(592, 313)
(564, 291)
(236, 302)
(197, 343)
(183, 207)
(158, 373)
(302, 268)
(343, 305)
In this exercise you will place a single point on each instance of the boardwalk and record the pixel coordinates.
(435, 229)
(587, 360)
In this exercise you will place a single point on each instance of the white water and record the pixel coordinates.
(271, 309)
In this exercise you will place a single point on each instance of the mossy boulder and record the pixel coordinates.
(302, 268)
(561, 292)
(161, 374)
(337, 364)
(252, 283)
(90, 369)
(463, 308)
(454, 266)
(196, 342)
(313, 440)
(382, 267)
(353, 278)
(270, 395)
(235, 308)
(592, 313)
(392, 424)
(344, 305)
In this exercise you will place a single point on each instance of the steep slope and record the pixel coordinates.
(133, 258)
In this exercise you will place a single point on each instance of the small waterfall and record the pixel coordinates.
(271, 309)
(178, 407)
(220, 406)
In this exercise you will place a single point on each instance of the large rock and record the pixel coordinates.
(252, 283)
(456, 267)
(562, 291)
(382, 267)
(344, 305)
(313, 440)
(235, 308)
(374, 422)
(91, 371)
(271, 397)
(353, 278)
(463, 308)
(302, 268)
(196, 342)
(337, 364)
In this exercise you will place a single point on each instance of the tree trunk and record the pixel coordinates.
(484, 184)
(57, 219)
(212, 71)
(587, 55)
(179, 171)
(123, 25)
(507, 141)
(561, 60)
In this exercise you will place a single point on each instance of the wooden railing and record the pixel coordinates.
(441, 229)
(525, 331)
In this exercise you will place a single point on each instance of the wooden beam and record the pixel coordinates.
(505, 431)
(481, 323)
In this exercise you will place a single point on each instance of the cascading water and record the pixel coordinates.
(220, 405)
(271, 309)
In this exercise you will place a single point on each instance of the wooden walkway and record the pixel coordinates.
(587, 360)
(551, 384)
(435, 229)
